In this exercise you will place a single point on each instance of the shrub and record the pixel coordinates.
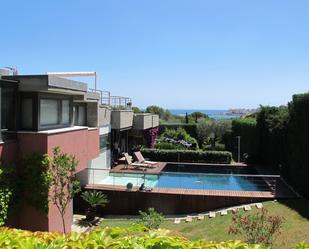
(179, 136)
(94, 199)
(256, 228)
(116, 238)
(188, 156)
(151, 219)
(189, 128)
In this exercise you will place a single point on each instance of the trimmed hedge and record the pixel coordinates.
(296, 170)
(188, 156)
(246, 129)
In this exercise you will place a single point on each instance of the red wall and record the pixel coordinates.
(82, 143)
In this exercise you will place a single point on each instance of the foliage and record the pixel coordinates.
(217, 147)
(36, 181)
(7, 190)
(163, 113)
(188, 156)
(258, 227)
(296, 169)
(246, 129)
(117, 238)
(95, 198)
(63, 184)
(179, 136)
(136, 109)
(195, 116)
(151, 135)
(151, 219)
(271, 127)
(189, 128)
(208, 131)
(162, 145)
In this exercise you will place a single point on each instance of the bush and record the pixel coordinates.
(188, 156)
(256, 228)
(180, 137)
(151, 219)
(116, 238)
(189, 128)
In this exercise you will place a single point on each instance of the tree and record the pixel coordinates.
(212, 130)
(197, 115)
(136, 109)
(187, 118)
(163, 113)
(63, 184)
(94, 199)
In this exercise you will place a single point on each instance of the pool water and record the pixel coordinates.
(189, 181)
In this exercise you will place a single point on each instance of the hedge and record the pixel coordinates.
(246, 129)
(188, 156)
(296, 170)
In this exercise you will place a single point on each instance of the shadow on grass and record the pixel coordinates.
(299, 205)
(86, 223)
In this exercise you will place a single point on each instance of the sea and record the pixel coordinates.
(215, 114)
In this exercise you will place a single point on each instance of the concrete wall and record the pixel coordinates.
(104, 116)
(82, 143)
(155, 121)
(142, 121)
(121, 119)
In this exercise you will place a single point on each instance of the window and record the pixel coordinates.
(26, 113)
(104, 142)
(49, 112)
(65, 111)
(54, 112)
(79, 115)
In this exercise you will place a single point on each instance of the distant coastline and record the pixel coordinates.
(215, 114)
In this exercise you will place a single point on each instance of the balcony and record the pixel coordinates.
(122, 119)
(144, 121)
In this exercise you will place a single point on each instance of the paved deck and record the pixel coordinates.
(124, 168)
(176, 191)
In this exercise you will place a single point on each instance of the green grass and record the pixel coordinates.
(295, 228)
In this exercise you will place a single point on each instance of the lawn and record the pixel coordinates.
(295, 228)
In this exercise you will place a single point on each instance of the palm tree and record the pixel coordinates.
(94, 199)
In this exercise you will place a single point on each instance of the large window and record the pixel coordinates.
(54, 112)
(79, 114)
(27, 113)
(105, 142)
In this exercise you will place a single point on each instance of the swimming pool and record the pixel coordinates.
(197, 181)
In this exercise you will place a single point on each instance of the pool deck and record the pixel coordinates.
(177, 191)
(157, 168)
(124, 168)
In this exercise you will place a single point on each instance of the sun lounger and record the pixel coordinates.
(189, 219)
(259, 205)
(129, 162)
(177, 221)
(212, 215)
(224, 212)
(141, 159)
(247, 208)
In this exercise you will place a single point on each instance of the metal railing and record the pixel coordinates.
(113, 101)
(188, 181)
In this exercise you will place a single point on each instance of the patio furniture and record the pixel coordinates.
(141, 159)
(177, 221)
(128, 160)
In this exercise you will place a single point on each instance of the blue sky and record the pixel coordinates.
(177, 54)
